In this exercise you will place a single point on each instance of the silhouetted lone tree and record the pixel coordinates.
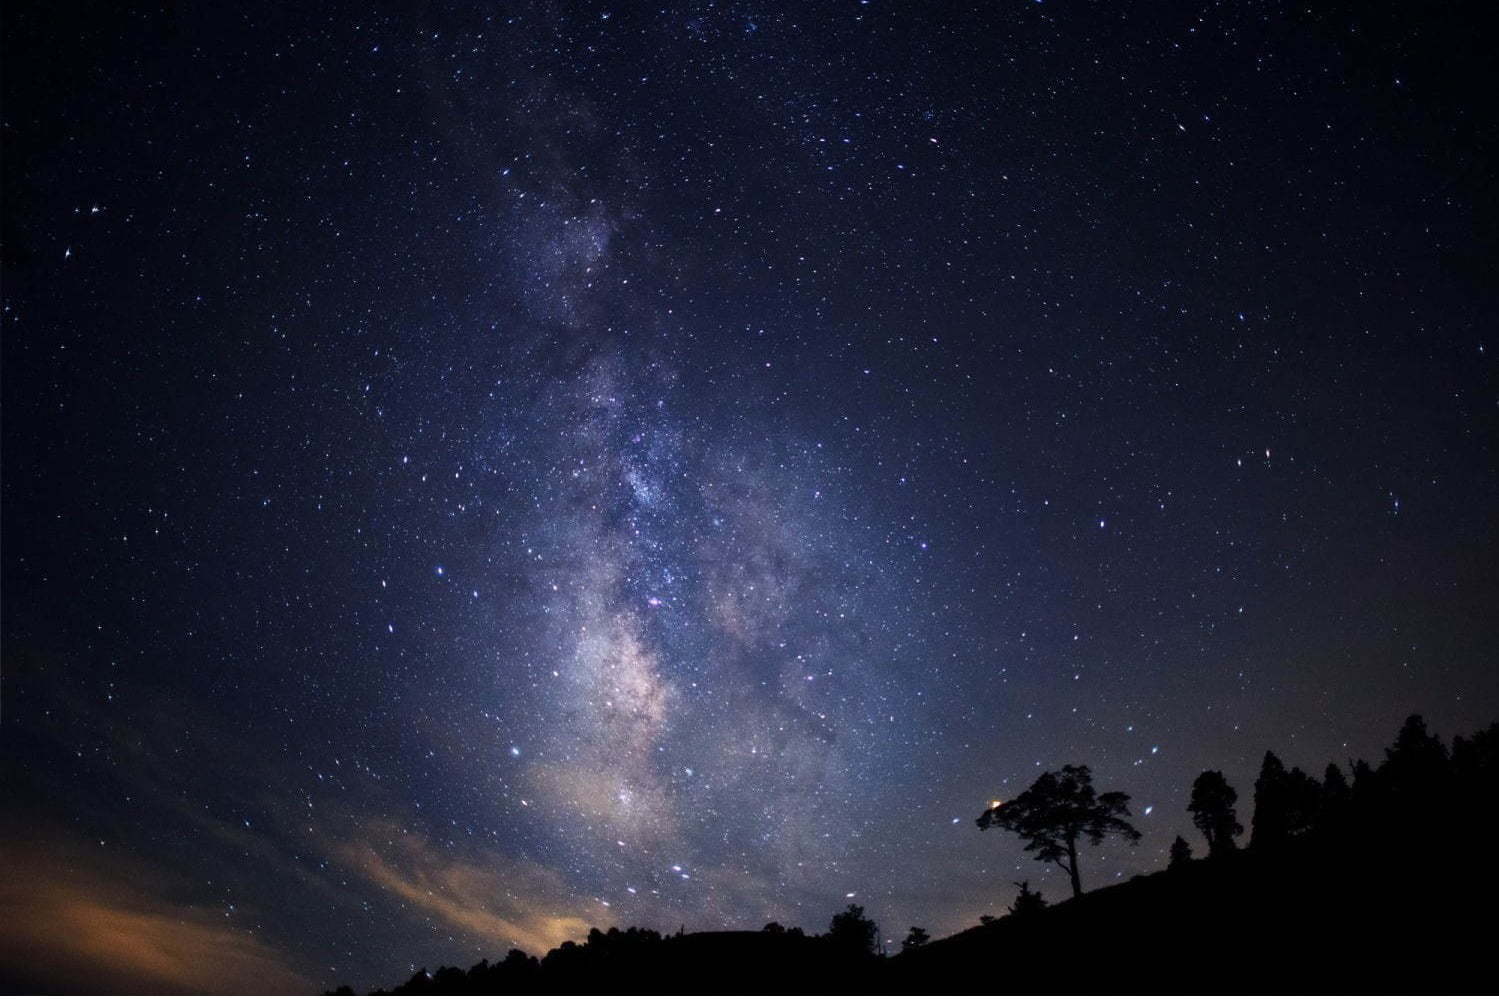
(1181, 854)
(1286, 803)
(918, 937)
(852, 933)
(1027, 903)
(1212, 808)
(1058, 808)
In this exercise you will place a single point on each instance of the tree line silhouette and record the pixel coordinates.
(1346, 878)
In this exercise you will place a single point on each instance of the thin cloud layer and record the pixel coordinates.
(72, 926)
(497, 901)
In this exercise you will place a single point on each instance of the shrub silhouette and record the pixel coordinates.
(1028, 903)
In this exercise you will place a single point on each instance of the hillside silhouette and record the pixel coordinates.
(1381, 880)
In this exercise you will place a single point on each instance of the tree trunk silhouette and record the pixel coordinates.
(1077, 882)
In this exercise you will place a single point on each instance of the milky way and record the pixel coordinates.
(474, 475)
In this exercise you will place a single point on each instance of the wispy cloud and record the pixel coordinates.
(495, 899)
(69, 921)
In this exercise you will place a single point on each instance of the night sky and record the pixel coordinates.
(471, 475)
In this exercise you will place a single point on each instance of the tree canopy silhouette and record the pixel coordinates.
(1286, 802)
(852, 932)
(1212, 808)
(1417, 762)
(1181, 854)
(1058, 809)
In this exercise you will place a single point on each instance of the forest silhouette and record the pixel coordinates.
(1378, 879)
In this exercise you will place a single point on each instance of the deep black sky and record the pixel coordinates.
(474, 474)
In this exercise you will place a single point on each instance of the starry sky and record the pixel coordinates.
(475, 473)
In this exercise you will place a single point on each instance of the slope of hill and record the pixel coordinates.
(1304, 919)
(1385, 885)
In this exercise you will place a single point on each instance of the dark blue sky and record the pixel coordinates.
(473, 474)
